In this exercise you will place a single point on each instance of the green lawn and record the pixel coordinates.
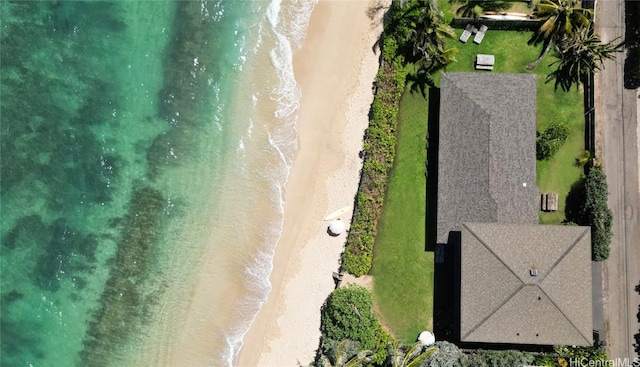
(403, 270)
(512, 55)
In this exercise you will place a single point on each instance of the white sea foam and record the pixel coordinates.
(286, 25)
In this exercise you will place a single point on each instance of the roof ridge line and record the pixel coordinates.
(507, 299)
(586, 339)
(490, 125)
(470, 96)
(551, 270)
(561, 257)
(492, 252)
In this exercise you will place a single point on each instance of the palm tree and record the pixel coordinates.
(475, 8)
(403, 356)
(429, 36)
(347, 353)
(580, 56)
(562, 18)
(424, 43)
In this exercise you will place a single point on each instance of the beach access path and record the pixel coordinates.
(335, 69)
(617, 119)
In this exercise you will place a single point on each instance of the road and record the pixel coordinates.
(617, 119)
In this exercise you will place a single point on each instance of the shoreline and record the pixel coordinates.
(335, 69)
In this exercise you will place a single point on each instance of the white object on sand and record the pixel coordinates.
(427, 338)
(336, 227)
(338, 213)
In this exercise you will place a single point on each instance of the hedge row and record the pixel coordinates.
(379, 153)
(598, 213)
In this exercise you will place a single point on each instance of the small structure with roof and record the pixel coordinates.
(525, 284)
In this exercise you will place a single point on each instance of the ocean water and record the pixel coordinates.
(144, 150)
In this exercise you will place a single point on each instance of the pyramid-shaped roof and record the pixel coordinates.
(525, 284)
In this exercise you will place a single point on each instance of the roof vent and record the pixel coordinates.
(533, 272)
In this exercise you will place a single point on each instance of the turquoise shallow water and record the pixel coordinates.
(115, 129)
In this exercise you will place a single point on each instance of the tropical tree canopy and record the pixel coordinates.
(421, 32)
(561, 19)
(408, 356)
(346, 353)
(579, 56)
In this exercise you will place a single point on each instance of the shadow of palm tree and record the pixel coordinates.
(420, 80)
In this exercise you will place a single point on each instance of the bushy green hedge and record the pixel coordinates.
(348, 315)
(496, 358)
(563, 355)
(551, 139)
(379, 153)
(598, 213)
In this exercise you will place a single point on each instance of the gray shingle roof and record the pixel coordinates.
(500, 302)
(486, 150)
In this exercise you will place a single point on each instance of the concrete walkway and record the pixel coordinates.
(617, 126)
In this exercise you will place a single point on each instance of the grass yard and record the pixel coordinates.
(512, 55)
(560, 172)
(403, 270)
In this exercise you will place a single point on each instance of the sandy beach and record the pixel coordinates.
(335, 69)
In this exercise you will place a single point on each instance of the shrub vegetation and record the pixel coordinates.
(496, 358)
(563, 355)
(551, 139)
(353, 336)
(415, 31)
(587, 206)
(598, 213)
(379, 153)
(348, 315)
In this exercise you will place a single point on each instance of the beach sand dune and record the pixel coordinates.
(335, 68)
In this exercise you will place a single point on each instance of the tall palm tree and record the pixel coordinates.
(427, 34)
(580, 56)
(408, 356)
(419, 29)
(562, 18)
(430, 35)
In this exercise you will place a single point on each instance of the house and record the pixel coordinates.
(487, 150)
(525, 284)
(520, 282)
